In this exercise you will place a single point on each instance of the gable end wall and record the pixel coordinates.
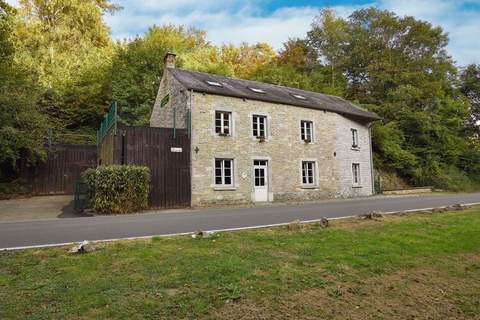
(163, 116)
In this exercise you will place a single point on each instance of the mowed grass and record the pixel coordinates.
(398, 267)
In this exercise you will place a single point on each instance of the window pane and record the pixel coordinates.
(228, 180)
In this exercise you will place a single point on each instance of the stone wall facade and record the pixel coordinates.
(331, 149)
(178, 99)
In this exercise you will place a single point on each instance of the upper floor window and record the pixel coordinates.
(354, 138)
(308, 173)
(259, 124)
(223, 123)
(224, 172)
(356, 174)
(306, 130)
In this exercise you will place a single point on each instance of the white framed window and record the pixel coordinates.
(259, 126)
(224, 172)
(354, 138)
(308, 173)
(356, 174)
(223, 123)
(306, 131)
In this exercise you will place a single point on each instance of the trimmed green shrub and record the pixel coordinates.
(117, 189)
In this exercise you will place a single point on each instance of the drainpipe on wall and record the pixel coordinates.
(372, 173)
(191, 145)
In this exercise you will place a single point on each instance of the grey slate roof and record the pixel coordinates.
(196, 81)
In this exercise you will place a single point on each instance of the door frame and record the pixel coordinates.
(268, 177)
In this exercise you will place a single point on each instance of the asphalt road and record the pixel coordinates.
(55, 231)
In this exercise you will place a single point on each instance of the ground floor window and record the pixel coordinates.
(224, 172)
(356, 173)
(308, 173)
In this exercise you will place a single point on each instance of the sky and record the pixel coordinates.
(275, 21)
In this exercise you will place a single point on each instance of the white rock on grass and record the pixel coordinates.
(82, 247)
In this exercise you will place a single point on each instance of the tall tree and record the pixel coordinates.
(328, 37)
(137, 68)
(22, 126)
(470, 87)
(240, 62)
(68, 45)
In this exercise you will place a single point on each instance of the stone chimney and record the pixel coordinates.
(169, 60)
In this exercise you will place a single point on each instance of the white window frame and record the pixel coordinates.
(303, 128)
(356, 174)
(355, 143)
(222, 122)
(257, 128)
(222, 172)
(308, 185)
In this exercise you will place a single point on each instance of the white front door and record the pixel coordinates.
(260, 180)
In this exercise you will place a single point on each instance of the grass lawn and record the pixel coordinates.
(421, 266)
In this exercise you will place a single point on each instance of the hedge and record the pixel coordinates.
(117, 189)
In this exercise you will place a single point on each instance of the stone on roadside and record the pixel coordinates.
(323, 223)
(295, 225)
(82, 247)
(371, 215)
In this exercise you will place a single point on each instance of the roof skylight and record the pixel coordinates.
(214, 83)
(299, 96)
(257, 90)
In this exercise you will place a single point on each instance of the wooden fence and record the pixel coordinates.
(166, 153)
(63, 167)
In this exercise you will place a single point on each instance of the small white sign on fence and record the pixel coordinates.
(176, 149)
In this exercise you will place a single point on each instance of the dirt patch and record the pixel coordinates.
(450, 292)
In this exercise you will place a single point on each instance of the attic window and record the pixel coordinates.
(214, 83)
(256, 90)
(299, 96)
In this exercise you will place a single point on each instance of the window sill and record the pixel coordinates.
(260, 140)
(226, 188)
(308, 187)
(356, 148)
(357, 187)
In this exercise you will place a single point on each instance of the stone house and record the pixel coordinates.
(257, 142)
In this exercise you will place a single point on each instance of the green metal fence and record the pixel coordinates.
(109, 121)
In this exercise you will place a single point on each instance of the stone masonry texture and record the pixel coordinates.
(331, 149)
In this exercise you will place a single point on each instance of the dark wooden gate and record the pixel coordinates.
(167, 156)
(63, 167)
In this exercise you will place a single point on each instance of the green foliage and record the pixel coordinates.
(399, 68)
(22, 125)
(118, 189)
(137, 68)
(470, 87)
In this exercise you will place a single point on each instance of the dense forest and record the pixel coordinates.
(60, 69)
